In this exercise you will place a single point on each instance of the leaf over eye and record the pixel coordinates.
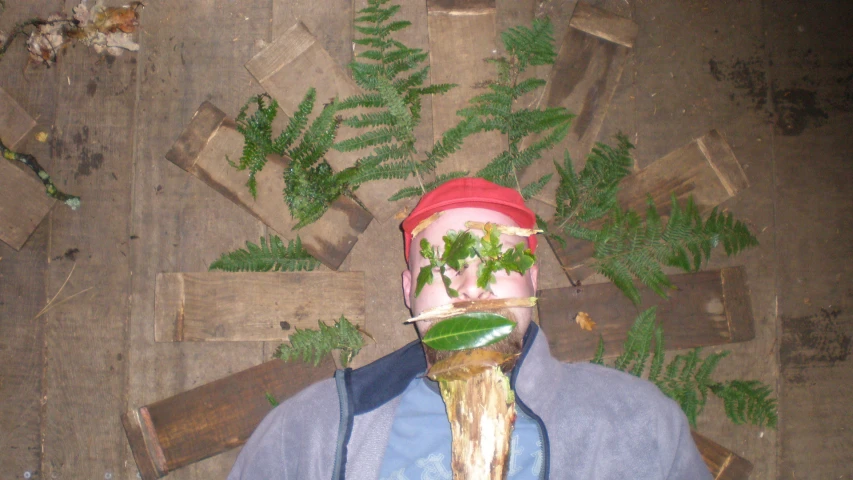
(471, 330)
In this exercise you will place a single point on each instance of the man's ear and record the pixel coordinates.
(407, 288)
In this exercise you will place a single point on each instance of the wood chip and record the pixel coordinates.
(425, 223)
(453, 309)
(504, 229)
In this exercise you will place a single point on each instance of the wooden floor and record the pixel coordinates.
(774, 78)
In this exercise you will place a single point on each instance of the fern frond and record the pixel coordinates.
(272, 256)
(427, 187)
(297, 124)
(748, 401)
(312, 345)
(638, 344)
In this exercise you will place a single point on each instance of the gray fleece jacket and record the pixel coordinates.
(595, 422)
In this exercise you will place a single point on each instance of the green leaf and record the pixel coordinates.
(458, 248)
(471, 330)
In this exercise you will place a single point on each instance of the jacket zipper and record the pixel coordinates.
(344, 429)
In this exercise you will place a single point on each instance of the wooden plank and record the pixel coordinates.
(582, 80)
(86, 338)
(178, 223)
(23, 273)
(223, 306)
(461, 37)
(215, 417)
(705, 308)
(23, 203)
(705, 168)
(722, 462)
(203, 149)
(604, 24)
(295, 62)
(15, 122)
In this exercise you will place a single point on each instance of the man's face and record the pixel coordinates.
(512, 285)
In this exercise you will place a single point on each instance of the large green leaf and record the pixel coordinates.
(470, 330)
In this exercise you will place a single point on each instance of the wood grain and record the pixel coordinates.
(722, 462)
(583, 80)
(15, 122)
(705, 308)
(705, 169)
(604, 24)
(223, 306)
(203, 150)
(291, 65)
(218, 416)
(86, 338)
(178, 223)
(461, 37)
(23, 204)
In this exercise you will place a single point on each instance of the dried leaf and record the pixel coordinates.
(468, 363)
(425, 223)
(584, 321)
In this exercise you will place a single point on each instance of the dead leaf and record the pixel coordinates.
(585, 321)
(402, 214)
(468, 363)
(41, 137)
(504, 229)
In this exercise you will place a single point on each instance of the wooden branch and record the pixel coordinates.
(461, 37)
(223, 306)
(706, 308)
(215, 417)
(706, 168)
(583, 80)
(291, 65)
(722, 462)
(203, 149)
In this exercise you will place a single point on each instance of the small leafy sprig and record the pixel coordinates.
(687, 378)
(460, 247)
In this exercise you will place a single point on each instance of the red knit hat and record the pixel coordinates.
(471, 192)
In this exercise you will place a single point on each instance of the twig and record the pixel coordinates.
(30, 161)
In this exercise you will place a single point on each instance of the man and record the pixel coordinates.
(387, 421)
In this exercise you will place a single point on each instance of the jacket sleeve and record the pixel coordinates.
(687, 462)
(263, 455)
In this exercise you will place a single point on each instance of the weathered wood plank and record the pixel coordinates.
(192, 51)
(212, 418)
(203, 149)
(23, 203)
(582, 80)
(86, 338)
(222, 306)
(722, 462)
(604, 24)
(705, 169)
(705, 308)
(461, 37)
(15, 122)
(295, 62)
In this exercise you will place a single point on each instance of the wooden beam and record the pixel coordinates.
(461, 37)
(291, 65)
(583, 80)
(705, 308)
(722, 462)
(223, 306)
(23, 201)
(706, 169)
(215, 417)
(203, 149)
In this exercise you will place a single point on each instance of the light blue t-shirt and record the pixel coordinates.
(419, 444)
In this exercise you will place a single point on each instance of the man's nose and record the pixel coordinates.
(468, 289)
